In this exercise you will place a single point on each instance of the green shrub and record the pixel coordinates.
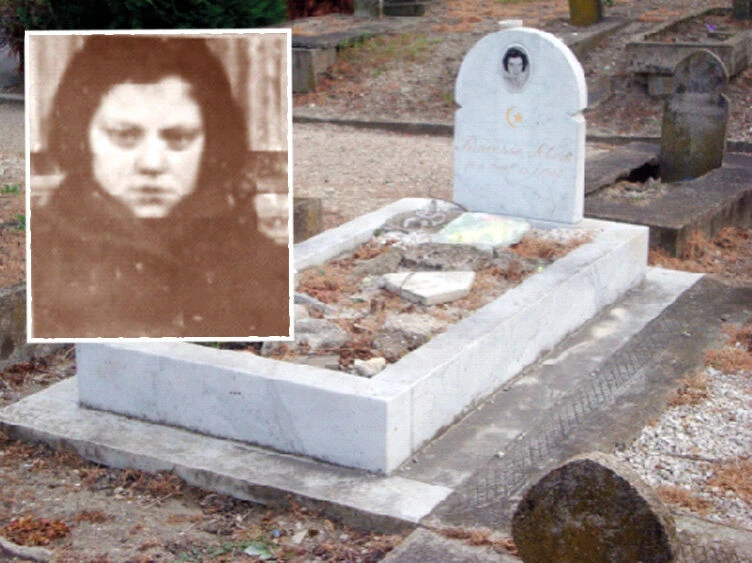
(19, 15)
(167, 14)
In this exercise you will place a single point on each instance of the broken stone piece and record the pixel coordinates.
(416, 328)
(593, 508)
(430, 288)
(326, 361)
(483, 231)
(320, 333)
(368, 368)
(386, 262)
(436, 256)
(406, 332)
(392, 345)
(317, 334)
(311, 302)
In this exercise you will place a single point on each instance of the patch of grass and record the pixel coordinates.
(11, 189)
(683, 498)
(209, 553)
(20, 222)
(377, 53)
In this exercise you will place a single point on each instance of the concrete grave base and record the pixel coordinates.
(422, 485)
(721, 198)
(649, 55)
(373, 424)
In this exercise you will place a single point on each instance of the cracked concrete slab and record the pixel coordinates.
(430, 288)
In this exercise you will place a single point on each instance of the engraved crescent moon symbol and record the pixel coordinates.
(513, 120)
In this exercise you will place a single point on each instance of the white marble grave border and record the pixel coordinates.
(373, 424)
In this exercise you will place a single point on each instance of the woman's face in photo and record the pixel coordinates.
(146, 143)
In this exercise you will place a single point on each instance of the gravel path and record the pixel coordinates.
(12, 127)
(692, 447)
(355, 171)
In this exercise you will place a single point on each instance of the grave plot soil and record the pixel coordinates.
(349, 285)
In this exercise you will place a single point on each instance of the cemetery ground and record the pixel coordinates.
(83, 512)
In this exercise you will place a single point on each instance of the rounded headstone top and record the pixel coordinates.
(702, 72)
(533, 66)
(593, 508)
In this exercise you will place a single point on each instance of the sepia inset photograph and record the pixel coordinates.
(159, 198)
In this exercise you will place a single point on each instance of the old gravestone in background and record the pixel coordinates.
(585, 12)
(693, 134)
(742, 9)
(519, 145)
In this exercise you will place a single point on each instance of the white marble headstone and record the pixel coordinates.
(519, 140)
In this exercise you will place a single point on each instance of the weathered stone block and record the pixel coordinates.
(693, 137)
(593, 509)
(660, 85)
(742, 9)
(404, 8)
(13, 346)
(307, 218)
(307, 65)
(367, 8)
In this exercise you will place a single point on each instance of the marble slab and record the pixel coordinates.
(519, 142)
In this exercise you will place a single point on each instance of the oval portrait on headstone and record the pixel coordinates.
(515, 68)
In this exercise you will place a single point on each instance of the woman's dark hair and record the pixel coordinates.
(515, 53)
(108, 60)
